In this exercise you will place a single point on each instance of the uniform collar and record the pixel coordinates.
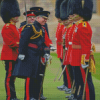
(37, 23)
(70, 25)
(78, 22)
(12, 23)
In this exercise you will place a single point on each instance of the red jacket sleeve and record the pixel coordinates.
(47, 40)
(9, 37)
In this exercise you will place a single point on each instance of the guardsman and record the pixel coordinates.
(66, 22)
(81, 47)
(59, 42)
(31, 48)
(10, 35)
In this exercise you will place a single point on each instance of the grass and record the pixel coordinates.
(50, 87)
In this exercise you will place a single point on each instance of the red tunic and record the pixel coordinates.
(48, 41)
(69, 44)
(64, 30)
(81, 37)
(10, 36)
(59, 39)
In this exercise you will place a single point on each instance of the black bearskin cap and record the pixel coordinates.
(63, 10)
(9, 9)
(84, 8)
(57, 8)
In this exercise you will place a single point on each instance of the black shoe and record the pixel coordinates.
(70, 96)
(15, 99)
(42, 97)
(33, 99)
(62, 88)
(72, 99)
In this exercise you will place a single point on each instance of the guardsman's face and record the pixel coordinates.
(70, 18)
(30, 19)
(76, 17)
(65, 22)
(42, 20)
(59, 20)
(15, 19)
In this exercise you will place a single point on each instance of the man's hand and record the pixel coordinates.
(46, 56)
(52, 48)
(21, 56)
(85, 65)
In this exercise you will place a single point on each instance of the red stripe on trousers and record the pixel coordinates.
(68, 78)
(87, 87)
(8, 81)
(27, 88)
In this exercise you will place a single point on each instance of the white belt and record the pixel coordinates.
(66, 48)
(64, 36)
(70, 43)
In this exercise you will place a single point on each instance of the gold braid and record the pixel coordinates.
(36, 33)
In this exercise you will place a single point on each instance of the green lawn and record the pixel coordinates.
(50, 87)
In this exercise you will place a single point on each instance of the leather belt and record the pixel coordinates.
(33, 45)
(76, 46)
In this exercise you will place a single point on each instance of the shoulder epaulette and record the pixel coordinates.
(61, 23)
(7, 24)
(27, 25)
(84, 24)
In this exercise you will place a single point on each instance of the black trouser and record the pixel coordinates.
(32, 87)
(10, 80)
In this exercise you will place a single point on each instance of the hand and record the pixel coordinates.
(84, 66)
(52, 48)
(92, 57)
(46, 56)
(21, 57)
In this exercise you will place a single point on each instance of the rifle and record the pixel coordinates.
(63, 55)
(25, 10)
(85, 84)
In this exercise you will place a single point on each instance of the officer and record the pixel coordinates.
(68, 24)
(30, 14)
(30, 19)
(10, 37)
(31, 48)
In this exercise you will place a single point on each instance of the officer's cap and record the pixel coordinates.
(29, 13)
(9, 9)
(44, 14)
(36, 9)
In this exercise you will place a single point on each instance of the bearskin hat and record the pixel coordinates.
(57, 8)
(63, 10)
(9, 9)
(84, 8)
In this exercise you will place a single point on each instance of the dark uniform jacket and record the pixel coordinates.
(32, 46)
(46, 28)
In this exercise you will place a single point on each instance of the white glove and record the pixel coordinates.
(84, 66)
(46, 56)
(21, 57)
(52, 48)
